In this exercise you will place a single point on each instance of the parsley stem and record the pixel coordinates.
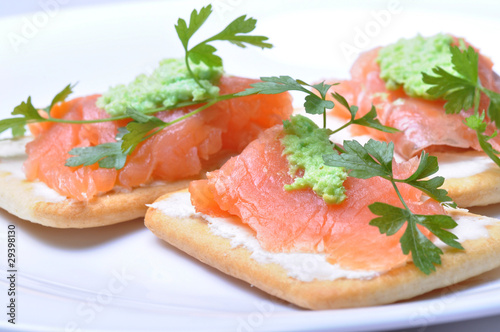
(341, 127)
(179, 119)
(151, 111)
(324, 119)
(399, 194)
(186, 58)
(196, 111)
(477, 98)
(51, 119)
(167, 124)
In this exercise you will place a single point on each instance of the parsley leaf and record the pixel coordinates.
(27, 110)
(235, 33)
(195, 22)
(494, 107)
(30, 114)
(427, 166)
(478, 124)
(206, 54)
(313, 104)
(359, 160)
(60, 97)
(368, 120)
(465, 63)
(273, 85)
(438, 225)
(114, 154)
(424, 253)
(375, 159)
(235, 30)
(17, 125)
(431, 189)
(463, 93)
(459, 92)
(108, 155)
(139, 129)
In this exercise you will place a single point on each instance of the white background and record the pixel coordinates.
(62, 272)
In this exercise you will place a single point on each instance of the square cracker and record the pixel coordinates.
(23, 198)
(192, 235)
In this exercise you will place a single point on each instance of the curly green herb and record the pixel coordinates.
(463, 92)
(375, 159)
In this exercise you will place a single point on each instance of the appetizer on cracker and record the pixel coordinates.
(443, 97)
(100, 159)
(362, 243)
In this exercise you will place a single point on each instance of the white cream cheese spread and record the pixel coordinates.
(301, 266)
(12, 157)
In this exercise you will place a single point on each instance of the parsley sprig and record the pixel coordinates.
(315, 103)
(144, 125)
(375, 159)
(107, 155)
(235, 33)
(464, 92)
(368, 120)
(29, 114)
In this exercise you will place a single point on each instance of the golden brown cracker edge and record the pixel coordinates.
(475, 190)
(193, 236)
(18, 197)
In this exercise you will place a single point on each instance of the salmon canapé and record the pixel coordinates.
(180, 151)
(423, 123)
(251, 187)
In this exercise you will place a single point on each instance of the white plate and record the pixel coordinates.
(122, 277)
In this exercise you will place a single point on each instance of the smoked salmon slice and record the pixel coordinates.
(180, 151)
(251, 187)
(423, 123)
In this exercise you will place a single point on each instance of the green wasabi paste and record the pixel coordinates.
(167, 85)
(305, 144)
(402, 63)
